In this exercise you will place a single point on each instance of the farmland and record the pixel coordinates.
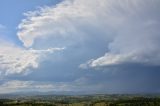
(81, 100)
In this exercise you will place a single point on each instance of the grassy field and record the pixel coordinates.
(81, 100)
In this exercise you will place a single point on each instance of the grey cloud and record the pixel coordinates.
(136, 25)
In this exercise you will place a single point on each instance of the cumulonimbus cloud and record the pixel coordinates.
(131, 28)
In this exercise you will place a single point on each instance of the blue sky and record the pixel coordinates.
(81, 46)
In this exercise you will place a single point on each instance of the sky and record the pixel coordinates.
(80, 46)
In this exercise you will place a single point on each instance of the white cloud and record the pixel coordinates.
(50, 50)
(65, 23)
(17, 86)
(107, 60)
(78, 85)
(117, 59)
(131, 28)
(17, 60)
